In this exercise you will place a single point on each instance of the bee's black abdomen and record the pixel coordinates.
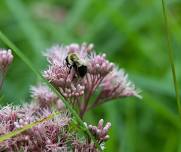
(82, 70)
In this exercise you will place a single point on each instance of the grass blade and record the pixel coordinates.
(171, 60)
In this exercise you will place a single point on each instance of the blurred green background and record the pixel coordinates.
(132, 34)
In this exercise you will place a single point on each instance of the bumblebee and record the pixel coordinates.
(79, 65)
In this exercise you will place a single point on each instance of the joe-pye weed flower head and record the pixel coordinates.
(101, 75)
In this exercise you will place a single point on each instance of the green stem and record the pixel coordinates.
(170, 53)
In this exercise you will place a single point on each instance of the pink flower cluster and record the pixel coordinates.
(47, 136)
(45, 98)
(101, 75)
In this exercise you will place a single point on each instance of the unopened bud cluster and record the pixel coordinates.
(100, 132)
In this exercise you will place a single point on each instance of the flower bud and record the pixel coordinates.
(6, 59)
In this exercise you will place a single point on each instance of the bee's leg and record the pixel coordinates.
(71, 74)
(70, 68)
(66, 63)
